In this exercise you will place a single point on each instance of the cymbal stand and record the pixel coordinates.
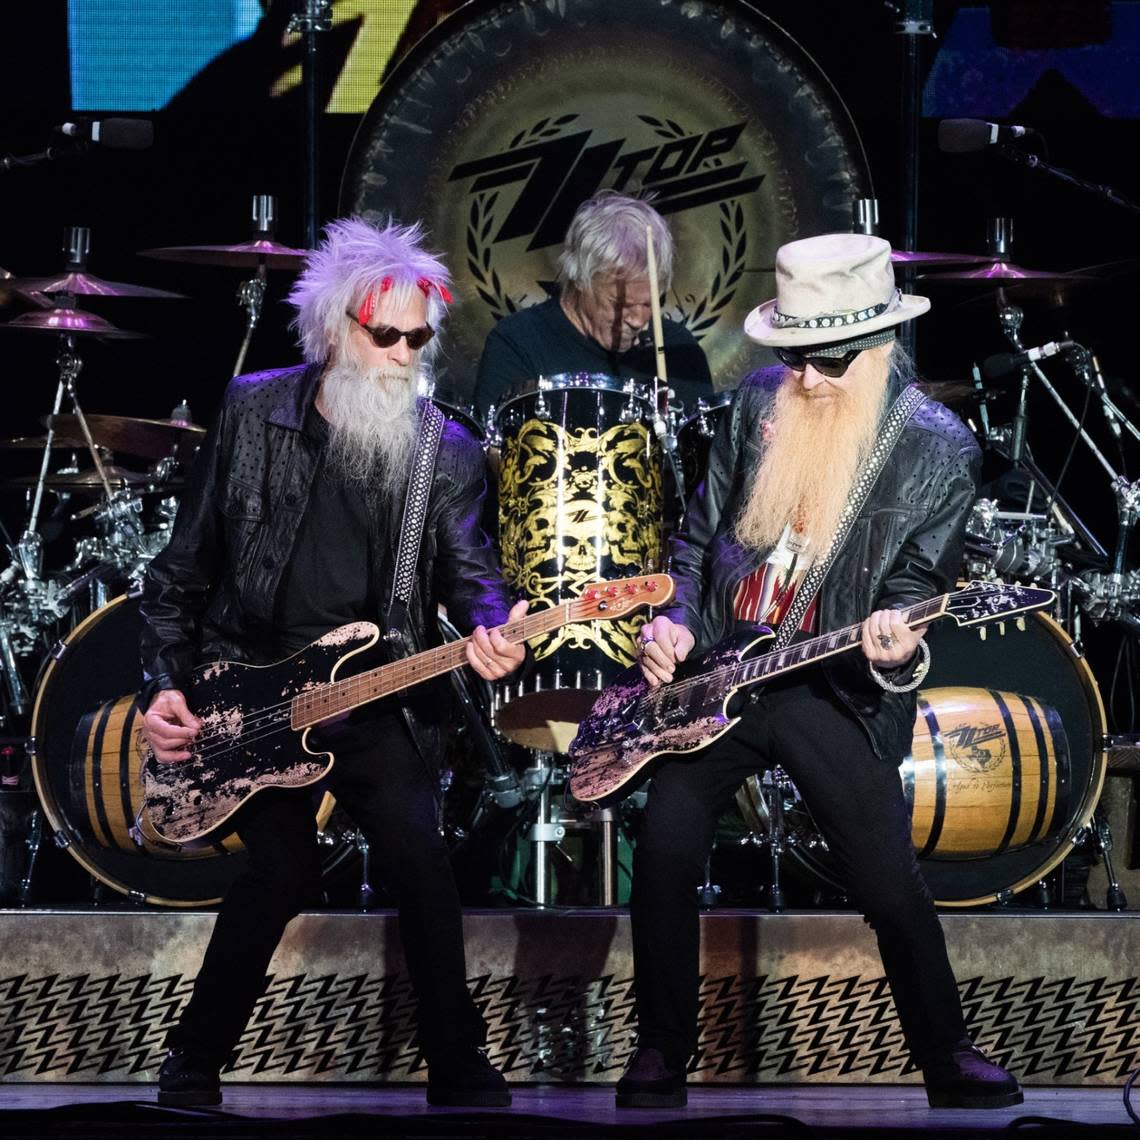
(251, 293)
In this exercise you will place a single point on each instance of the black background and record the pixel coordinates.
(223, 139)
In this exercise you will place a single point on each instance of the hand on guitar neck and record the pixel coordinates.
(170, 727)
(887, 642)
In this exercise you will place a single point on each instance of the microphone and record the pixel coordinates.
(963, 136)
(1003, 363)
(118, 134)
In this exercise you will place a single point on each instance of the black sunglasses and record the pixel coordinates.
(831, 366)
(386, 336)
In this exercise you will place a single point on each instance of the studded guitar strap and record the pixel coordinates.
(415, 512)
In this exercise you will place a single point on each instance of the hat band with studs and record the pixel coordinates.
(834, 320)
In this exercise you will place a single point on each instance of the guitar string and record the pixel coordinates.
(267, 725)
(351, 687)
(684, 687)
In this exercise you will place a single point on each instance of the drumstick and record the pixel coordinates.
(655, 308)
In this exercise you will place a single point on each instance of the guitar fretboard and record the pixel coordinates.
(838, 641)
(611, 600)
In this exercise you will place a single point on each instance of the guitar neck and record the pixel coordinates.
(774, 663)
(336, 697)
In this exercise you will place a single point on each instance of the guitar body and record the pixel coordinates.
(631, 724)
(246, 742)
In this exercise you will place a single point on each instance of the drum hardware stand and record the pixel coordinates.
(33, 843)
(1114, 897)
(251, 293)
(545, 830)
(865, 216)
(777, 838)
(311, 18)
(708, 893)
(914, 19)
(365, 893)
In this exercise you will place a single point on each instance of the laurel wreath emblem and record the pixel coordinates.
(697, 314)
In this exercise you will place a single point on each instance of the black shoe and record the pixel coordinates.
(651, 1082)
(189, 1077)
(966, 1078)
(464, 1078)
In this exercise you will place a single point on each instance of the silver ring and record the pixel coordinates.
(647, 641)
(885, 640)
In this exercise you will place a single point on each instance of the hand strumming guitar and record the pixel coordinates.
(169, 726)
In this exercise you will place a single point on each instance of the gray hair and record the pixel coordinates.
(606, 238)
(355, 261)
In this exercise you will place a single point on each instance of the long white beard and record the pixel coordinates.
(372, 424)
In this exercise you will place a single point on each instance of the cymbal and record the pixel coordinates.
(994, 272)
(918, 258)
(84, 481)
(1056, 292)
(248, 254)
(88, 285)
(68, 322)
(36, 443)
(151, 439)
(955, 394)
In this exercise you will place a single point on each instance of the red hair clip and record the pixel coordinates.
(368, 305)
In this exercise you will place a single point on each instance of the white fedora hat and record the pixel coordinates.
(830, 288)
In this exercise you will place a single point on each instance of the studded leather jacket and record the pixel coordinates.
(905, 546)
(210, 594)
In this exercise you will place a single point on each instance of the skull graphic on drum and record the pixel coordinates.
(580, 501)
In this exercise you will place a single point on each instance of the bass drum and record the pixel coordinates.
(86, 763)
(1007, 765)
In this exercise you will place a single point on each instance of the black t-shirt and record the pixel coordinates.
(542, 341)
(328, 581)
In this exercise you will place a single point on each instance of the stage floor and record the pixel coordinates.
(853, 1110)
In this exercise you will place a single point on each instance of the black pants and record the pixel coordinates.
(386, 788)
(857, 802)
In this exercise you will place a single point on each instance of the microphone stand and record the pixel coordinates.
(1036, 162)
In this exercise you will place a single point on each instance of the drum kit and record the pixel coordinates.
(590, 470)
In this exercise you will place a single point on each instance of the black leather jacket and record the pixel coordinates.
(905, 546)
(210, 594)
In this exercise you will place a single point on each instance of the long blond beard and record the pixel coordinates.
(814, 448)
(372, 424)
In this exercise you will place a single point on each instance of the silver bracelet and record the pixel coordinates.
(920, 671)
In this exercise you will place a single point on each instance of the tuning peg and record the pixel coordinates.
(1020, 623)
(982, 632)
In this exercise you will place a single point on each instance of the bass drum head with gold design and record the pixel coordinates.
(1007, 765)
(510, 113)
(86, 764)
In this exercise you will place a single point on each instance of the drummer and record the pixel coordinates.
(599, 319)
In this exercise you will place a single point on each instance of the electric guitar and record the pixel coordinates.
(632, 723)
(256, 720)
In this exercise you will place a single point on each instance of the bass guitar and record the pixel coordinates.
(632, 723)
(256, 720)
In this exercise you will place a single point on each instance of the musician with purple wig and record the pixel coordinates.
(290, 528)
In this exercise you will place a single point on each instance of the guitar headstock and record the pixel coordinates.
(616, 599)
(979, 602)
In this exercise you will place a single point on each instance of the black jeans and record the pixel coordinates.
(385, 786)
(857, 802)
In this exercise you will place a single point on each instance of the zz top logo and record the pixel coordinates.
(560, 173)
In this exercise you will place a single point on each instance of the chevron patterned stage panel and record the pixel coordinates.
(795, 998)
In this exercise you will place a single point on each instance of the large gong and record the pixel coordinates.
(511, 112)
